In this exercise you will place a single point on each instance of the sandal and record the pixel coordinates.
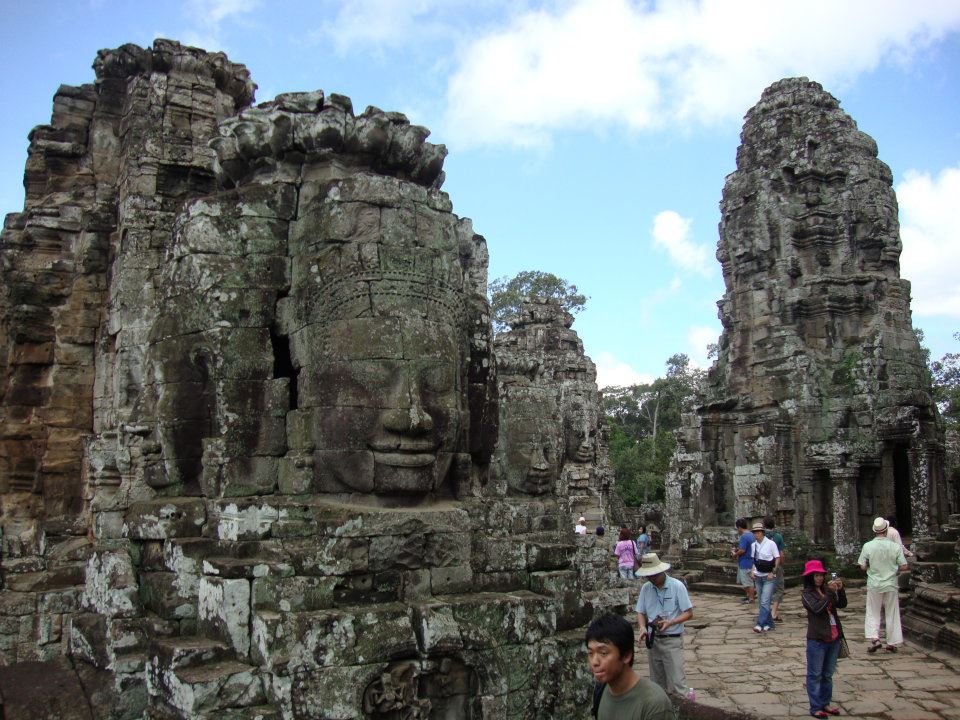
(820, 714)
(874, 646)
(830, 709)
(890, 648)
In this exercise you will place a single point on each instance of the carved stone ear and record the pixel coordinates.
(482, 394)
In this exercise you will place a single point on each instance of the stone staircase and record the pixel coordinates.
(933, 615)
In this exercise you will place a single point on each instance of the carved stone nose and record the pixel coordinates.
(410, 418)
(538, 461)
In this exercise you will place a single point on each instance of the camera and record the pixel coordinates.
(653, 627)
(833, 576)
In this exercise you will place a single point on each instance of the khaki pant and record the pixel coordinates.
(665, 658)
(890, 603)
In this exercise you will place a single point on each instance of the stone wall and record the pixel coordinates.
(818, 409)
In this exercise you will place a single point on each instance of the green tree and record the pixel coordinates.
(642, 420)
(946, 385)
(506, 294)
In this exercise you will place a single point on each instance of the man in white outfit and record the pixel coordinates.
(883, 560)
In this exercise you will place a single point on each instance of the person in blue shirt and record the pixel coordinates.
(643, 542)
(744, 554)
(664, 602)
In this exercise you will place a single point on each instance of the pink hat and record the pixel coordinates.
(814, 566)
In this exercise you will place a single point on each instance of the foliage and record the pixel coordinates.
(506, 295)
(642, 420)
(946, 385)
(843, 377)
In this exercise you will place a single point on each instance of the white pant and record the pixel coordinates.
(890, 602)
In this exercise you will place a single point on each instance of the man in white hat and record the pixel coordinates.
(883, 560)
(664, 602)
(581, 527)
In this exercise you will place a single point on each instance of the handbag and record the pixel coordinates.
(844, 649)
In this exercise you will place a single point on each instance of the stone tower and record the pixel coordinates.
(818, 409)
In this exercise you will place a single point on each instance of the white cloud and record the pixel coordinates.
(207, 18)
(645, 65)
(930, 230)
(672, 233)
(698, 337)
(611, 372)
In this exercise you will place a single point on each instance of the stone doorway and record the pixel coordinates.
(901, 490)
(868, 500)
(822, 507)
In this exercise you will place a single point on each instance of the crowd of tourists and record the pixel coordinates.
(663, 606)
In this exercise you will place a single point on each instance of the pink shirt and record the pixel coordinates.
(625, 553)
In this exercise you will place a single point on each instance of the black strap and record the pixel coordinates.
(597, 694)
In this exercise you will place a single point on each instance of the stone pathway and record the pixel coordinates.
(733, 668)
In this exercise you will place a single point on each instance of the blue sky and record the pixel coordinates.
(588, 138)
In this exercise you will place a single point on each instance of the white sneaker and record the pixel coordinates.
(692, 695)
(757, 628)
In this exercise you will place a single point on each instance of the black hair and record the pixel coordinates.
(613, 629)
(768, 522)
(892, 519)
(741, 523)
(600, 530)
(643, 528)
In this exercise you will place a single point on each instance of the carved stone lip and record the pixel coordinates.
(404, 445)
(403, 458)
(538, 472)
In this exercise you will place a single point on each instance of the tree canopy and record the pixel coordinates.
(506, 294)
(642, 420)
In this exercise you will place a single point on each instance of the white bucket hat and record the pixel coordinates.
(650, 564)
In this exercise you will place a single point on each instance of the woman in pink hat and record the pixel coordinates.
(821, 600)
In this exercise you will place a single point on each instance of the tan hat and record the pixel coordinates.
(758, 525)
(582, 519)
(650, 564)
(880, 525)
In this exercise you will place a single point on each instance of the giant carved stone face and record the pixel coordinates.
(530, 446)
(390, 404)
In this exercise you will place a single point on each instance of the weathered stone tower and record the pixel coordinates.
(249, 406)
(818, 408)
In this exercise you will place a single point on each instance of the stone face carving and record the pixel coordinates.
(818, 407)
(282, 501)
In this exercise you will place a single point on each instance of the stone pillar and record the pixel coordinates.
(922, 495)
(845, 534)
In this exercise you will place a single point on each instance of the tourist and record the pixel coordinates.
(778, 589)
(643, 542)
(894, 535)
(766, 557)
(665, 604)
(882, 560)
(625, 695)
(824, 633)
(581, 527)
(744, 560)
(626, 558)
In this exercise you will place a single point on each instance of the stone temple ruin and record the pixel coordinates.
(260, 455)
(249, 435)
(818, 409)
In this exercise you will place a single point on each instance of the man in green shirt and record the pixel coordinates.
(626, 695)
(882, 559)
